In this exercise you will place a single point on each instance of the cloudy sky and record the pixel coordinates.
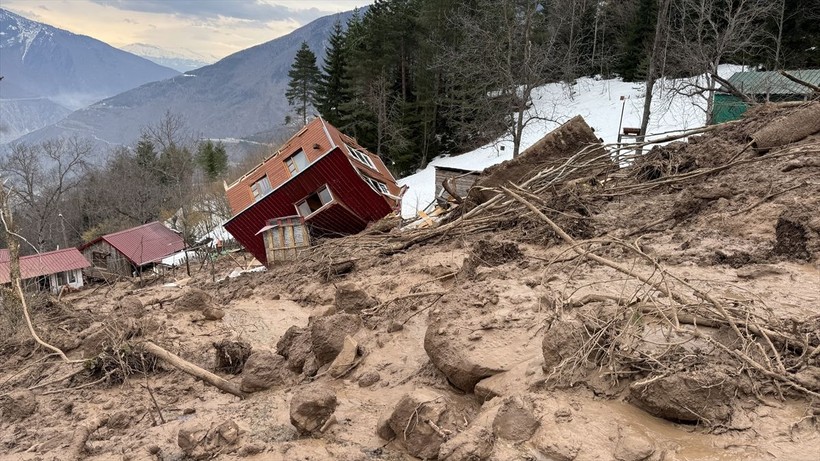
(209, 28)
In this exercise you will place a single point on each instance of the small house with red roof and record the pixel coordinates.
(131, 251)
(51, 270)
(319, 177)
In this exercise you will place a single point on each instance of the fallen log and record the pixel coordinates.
(81, 435)
(791, 128)
(193, 370)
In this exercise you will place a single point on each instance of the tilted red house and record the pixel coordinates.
(320, 174)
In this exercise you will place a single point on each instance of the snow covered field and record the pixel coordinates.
(598, 101)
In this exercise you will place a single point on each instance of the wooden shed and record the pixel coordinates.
(460, 179)
(130, 252)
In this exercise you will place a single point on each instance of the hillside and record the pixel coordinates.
(664, 311)
(39, 61)
(239, 96)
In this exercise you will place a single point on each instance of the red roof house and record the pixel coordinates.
(53, 269)
(128, 251)
(321, 175)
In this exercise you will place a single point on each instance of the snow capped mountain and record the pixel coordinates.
(181, 60)
(49, 72)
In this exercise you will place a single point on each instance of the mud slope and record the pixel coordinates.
(666, 310)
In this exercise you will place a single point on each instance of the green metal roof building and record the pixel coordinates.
(762, 86)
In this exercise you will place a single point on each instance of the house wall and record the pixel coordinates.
(358, 204)
(54, 283)
(463, 180)
(115, 263)
(313, 140)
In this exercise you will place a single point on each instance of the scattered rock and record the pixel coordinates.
(692, 396)
(563, 339)
(18, 405)
(556, 444)
(322, 311)
(310, 408)
(394, 327)
(191, 434)
(492, 254)
(295, 345)
(346, 358)
(515, 419)
(327, 335)
(193, 299)
(263, 370)
(474, 444)
(119, 420)
(633, 445)
(199, 439)
(351, 298)
(467, 362)
(231, 356)
(253, 448)
(369, 378)
(383, 428)
(154, 449)
(213, 313)
(132, 306)
(412, 418)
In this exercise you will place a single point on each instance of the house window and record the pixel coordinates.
(297, 162)
(260, 188)
(377, 186)
(314, 201)
(72, 277)
(99, 259)
(361, 156)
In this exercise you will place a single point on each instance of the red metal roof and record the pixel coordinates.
(41, 264)
(144, 244)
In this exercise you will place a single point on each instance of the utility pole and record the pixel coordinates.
(62, 224)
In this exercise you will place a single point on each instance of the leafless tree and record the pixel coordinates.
(41, 176)
(703, 33)
(506, 51)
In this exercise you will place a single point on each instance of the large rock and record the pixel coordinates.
(194, 299)
(703, 396)
(327, 335)
(18, 405)
(563, 340)
(468, 346)
(515, 419)
(474, 444)
(345, 360)
(264, 370)
(200, 439)
(310, 408)
(295, 346)
(633, 445)
(411, 422)
(351, 298)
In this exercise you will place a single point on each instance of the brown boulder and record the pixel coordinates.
(633, 445)
(345, 360)
(563, 339)
(327, 335)
(350, 298)
(703, 396)
(295, 346)
(264, 370)
(310, 408)
(474, 444)
(417, 419)
(515, 419)
(18, 405)
(193, 299)
(466, 358)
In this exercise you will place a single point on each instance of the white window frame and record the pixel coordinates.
(258, 191)
(317, 192)
(293, 167)
(361, 156)
(377, 186)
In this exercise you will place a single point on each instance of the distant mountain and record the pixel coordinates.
(45, 67)
(182, 61)
(239, 96)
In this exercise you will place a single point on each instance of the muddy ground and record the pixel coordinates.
(494, 344)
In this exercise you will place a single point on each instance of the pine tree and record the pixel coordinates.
(212, 158)
(304, 80)
(333, 91)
